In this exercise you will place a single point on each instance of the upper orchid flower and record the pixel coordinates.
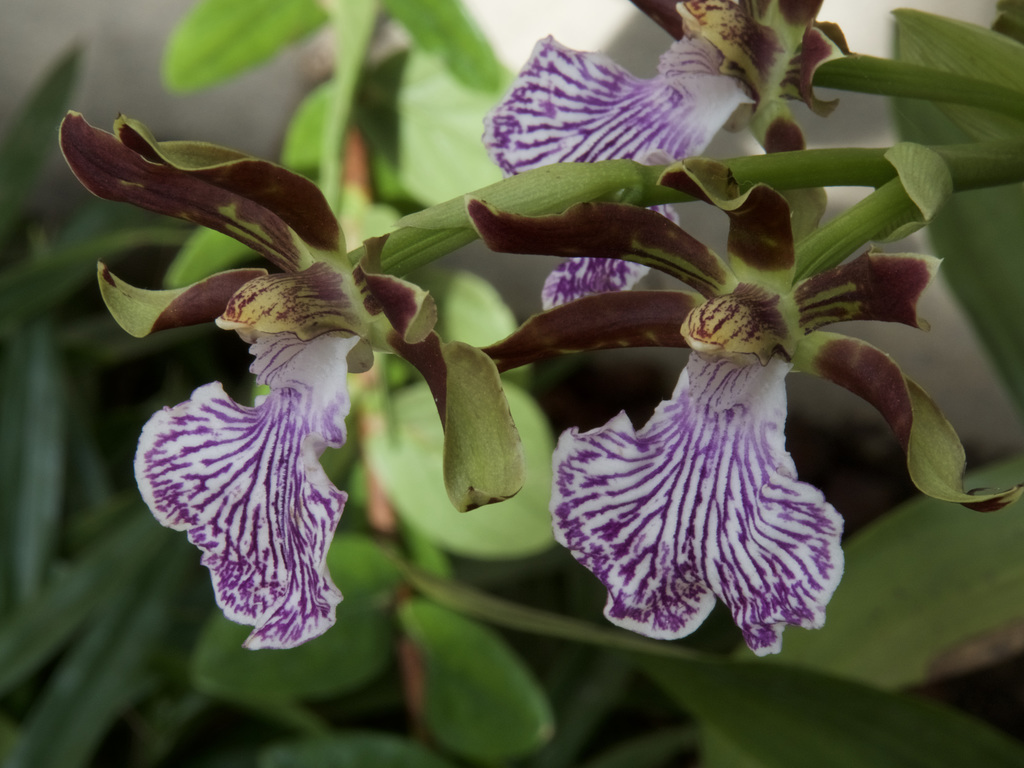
(571, 106)
(703, 502)
(246, 482)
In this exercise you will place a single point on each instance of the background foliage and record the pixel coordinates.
(461, 641)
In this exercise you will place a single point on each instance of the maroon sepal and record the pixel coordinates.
(605, 231)
(233, 198)
(602, 321)
(664, 14)
(874, 286)
(294, 198)
(760, 234)
(410, 310)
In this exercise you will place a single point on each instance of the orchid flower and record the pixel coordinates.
(571, 106)
(245, 482)
(703, 503)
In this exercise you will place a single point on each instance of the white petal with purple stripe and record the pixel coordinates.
(247, 485)
(578, 277)
(701, 503)
(571, 106)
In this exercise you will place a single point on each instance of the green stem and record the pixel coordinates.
(352, 23)
(504, 613)
(885, 77)
(434, 232)
(827, 246)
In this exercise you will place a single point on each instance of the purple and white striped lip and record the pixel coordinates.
(247, 485)
(578, 277)
(700, 504)
(571, 106)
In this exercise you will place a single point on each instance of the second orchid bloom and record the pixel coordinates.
(703, 503)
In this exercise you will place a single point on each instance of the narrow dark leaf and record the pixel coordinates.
(33, 135)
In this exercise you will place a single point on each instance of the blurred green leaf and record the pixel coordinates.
(718, 751)
(965, 49)
(301, 150)
(32, 635)
(784, 717)
(652, 750)
(919, 582)
(352, 653)
(205, 253)
(481, 701)
(106, 670)
(437, 154)
(352, 749)
(219, 39)
(409, 462)
(8, 736)
(979, 236)
(32, 136)
(471, 309)
(33, 287)
(445, 28)
(1010, 21)
(32, 460)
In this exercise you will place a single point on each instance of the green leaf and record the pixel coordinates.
(964, 49)
(301, 150)
(652, 750)
(8, 736)
(919, 583)
(719, 751)
(33, 287)
(106, 671)
(445, 28)
(437, 152)
(205, 253)
(1010, 21)
(352, 653)
(352, 749)
(481, 701)
(32, 460)
(30, 636)
(471, 309)
(219, 39)
(972, 235)
(409, 462)
(29, 139)
(792, 718)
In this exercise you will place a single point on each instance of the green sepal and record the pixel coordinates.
(760, 236)
(926, 179)
(874, 286)
(609, 231)
(602, 321)
(141, 312)
(483, 456)
(935, 457)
